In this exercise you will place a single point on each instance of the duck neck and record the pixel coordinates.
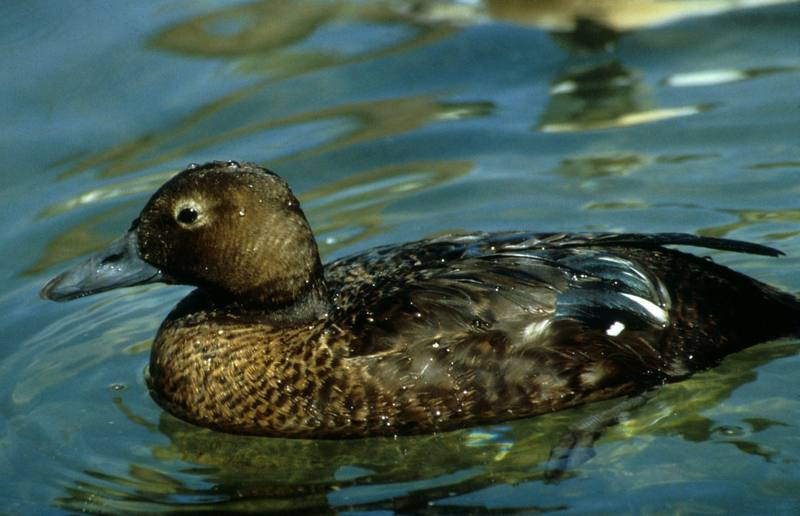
(311, 305)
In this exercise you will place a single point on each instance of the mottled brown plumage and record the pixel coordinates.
(425, 336)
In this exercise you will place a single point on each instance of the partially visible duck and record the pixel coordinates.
(424, 336)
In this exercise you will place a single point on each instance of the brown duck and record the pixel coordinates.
(419, 337)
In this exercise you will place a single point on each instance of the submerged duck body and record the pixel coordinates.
(425, 336)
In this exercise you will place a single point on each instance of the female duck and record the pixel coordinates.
(424, 336)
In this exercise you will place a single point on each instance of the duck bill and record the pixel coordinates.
(118, 265)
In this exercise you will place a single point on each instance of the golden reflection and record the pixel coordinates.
(263, 41)
(619, 15)
(247, 29)
(126, 188)
(679, 159)
(594, 96)
(617, 205)
(601, 97)
(83, 238)
(748, 218)
(771, 165)
(268, 40)
(595, 166)
(267, 27)
(130, 156)
(625, 120)
(582, 24)
(679, 408)
(372, 121)
(358, 122)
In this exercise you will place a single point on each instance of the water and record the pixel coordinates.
(393, 121)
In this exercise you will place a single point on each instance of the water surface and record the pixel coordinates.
(393, 121)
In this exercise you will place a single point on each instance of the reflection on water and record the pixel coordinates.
(591, 167)
(749, 217)
(775, 164)
(605, 96)
(712, 77)
(81, 341)
(264, 38)
(346, 211)
(81, 239)
(590, 25)
(354, 124)
(413, 473)
(643, 115)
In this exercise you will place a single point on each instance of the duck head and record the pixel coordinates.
(234, 230)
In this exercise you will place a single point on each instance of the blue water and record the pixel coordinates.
(392, 121)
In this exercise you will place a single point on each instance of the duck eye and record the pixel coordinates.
(187, 215)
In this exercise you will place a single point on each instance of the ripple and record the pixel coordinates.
(771, 165)
(349, 210)
(723, 76)
(628, 119)
(18, 31)
(617, 205)
(126, 188)
(50, 358)
(747, 218)
(597, 166)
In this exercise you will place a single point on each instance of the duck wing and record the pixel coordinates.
(644, 240)
(477, 282)
(479, 328)
(511, 282)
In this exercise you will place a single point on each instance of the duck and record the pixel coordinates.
(427, 336)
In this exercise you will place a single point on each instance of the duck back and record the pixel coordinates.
(481, 328)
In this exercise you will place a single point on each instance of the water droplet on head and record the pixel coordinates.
(192, 166)
(233, 164)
